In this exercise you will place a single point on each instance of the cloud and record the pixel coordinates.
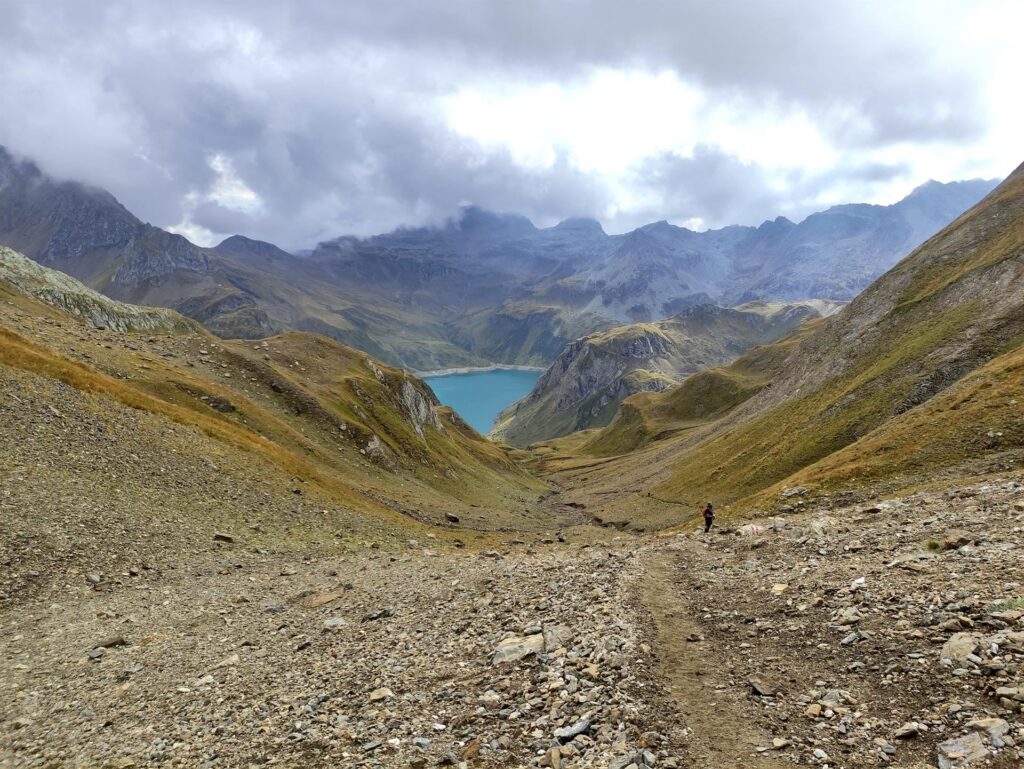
(356, 117)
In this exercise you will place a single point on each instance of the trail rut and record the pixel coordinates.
(721, 735)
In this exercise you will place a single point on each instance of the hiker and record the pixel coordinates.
(709, 517)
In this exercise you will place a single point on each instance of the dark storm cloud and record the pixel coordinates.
(328, 111)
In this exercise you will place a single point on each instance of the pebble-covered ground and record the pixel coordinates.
(891, 633)
(376, 659)
(887, 634)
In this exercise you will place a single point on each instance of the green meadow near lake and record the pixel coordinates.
(479, 396)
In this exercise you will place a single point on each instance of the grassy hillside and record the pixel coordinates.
(593, 375)
(842, 401)
(370, 438)
(654, 416)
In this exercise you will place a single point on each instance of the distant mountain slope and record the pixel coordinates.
(369, 441)
(585, 385)
(482, 288)
(878, 391)
(86, 233)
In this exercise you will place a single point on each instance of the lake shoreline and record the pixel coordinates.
(474, 370)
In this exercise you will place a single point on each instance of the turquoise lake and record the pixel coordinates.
(479, 396)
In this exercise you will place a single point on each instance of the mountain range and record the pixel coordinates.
(482, 288)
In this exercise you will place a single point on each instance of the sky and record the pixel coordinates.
(296, 122)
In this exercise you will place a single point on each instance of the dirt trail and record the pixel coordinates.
(723, 734)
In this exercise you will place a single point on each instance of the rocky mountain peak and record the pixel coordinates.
(477, 220)
(581, 225)
(240, 245)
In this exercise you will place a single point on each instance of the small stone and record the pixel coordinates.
(333, 624)
(761, 687)
(834, 698)
(908, 730)
(110, 643)
(961, 751)
(552, 758)
(567, 733)
(221, 537)
(555, 636)
(954, 540)
(959, 647)
(848, 616)
(383, 693)
(515, 649)
(471, 750)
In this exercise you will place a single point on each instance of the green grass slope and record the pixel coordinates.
(585, 385)
(919, 332)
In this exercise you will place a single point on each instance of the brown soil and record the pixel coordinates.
(719, 731)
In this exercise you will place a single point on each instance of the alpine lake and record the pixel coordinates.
(479, 396)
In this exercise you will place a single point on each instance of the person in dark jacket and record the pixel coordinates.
(709, 517)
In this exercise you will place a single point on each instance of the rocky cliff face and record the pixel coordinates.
(593, 375)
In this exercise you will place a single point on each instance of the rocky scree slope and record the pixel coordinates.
(887, 632)
(901, 353)
(585, 385)
(884, 633)
(416, 657)
(523, 292)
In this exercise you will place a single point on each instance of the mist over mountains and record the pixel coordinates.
(486, 287)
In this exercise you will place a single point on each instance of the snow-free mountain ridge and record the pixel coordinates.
(483, 288)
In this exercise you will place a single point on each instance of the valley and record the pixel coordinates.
(282, 551)
(238, 531)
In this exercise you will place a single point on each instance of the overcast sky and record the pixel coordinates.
(300, 121)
